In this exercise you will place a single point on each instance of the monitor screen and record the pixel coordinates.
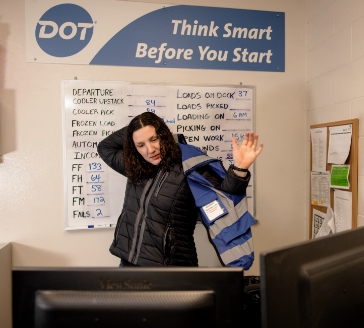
(317, 283)
(128, 297)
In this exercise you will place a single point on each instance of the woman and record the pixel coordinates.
(159, 215)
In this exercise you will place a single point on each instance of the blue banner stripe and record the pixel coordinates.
(200, 37)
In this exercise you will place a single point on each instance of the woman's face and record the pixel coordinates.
(147, 144)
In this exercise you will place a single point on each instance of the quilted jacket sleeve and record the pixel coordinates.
(231, 184)
(234, 184)
(110, 150)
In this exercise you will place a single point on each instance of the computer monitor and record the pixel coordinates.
(317, 283)
(128, 297)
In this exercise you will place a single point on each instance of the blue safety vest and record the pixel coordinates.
(224, 215)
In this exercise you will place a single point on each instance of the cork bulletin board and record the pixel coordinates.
(352, 160)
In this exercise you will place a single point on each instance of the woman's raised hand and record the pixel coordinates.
(245, 154)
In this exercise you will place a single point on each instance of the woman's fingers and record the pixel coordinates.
(255, 140)
(235, 143)
(250, 139)
(250, 142)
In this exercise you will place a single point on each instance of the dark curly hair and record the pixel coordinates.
(137, 168)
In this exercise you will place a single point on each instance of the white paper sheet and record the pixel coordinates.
(320, 188)
(319, 149)
(343, 210)
(318, 218)
(328, 225)
(339, 143)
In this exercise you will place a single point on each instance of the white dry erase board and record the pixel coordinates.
(208, 116)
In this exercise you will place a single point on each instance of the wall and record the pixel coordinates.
(335, 71)
(31, 171)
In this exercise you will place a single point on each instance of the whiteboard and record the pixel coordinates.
(207, 115)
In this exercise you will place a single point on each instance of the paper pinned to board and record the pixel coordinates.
(328, 225)
(318, 218)
(320, 188)
(319, 149)
(339, 143)
(343, 210)
(340, 176)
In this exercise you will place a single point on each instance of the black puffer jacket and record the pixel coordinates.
(158, 219)
(159, 215)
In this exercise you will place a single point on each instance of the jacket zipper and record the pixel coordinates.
(167, 260)
(116, 233)
(164, 177)
(144, 208)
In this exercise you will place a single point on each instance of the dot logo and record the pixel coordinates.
(64, 30)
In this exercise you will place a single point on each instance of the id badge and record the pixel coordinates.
(214, 210)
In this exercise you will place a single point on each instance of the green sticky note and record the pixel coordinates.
(339, 176)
